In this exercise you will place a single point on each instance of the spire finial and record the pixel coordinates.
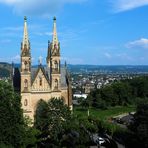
(25, 18)
(25, 37)
(54, 18)
(55, 37)
(65, 64)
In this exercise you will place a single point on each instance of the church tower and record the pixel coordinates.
(25, 69)
(42, 82)
(53, 59)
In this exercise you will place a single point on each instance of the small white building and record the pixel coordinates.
(80, 96)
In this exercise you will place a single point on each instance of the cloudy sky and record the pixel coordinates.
(100, 32)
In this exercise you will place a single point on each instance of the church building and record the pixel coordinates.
(43, 82)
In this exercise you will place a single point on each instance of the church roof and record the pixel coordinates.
(63, 77)
(46, 72)
(34, 72)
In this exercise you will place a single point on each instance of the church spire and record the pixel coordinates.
(55, 37)
(25, 37)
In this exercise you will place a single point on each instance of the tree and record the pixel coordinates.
(140, 86)
(11, 117)
(30, 139)
(14, 132)
(107, 94)
(140, 125)
(51, 118)
(122, 91)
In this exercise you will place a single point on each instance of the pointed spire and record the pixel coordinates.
(55, 37)
(65, 64)
(25, 37)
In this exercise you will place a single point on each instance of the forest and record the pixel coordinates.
(121, 93)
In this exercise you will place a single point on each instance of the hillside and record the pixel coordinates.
(5, 69)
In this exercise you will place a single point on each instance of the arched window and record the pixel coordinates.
(40, 81)
(56, 83)
(25, 63)
(56, 64)
(25, 83)
(25, 102)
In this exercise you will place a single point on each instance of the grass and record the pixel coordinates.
(103, 114)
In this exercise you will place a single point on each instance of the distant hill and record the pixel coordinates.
(109, 68)
(5, 69)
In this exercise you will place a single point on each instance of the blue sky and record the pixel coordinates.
(99, 32)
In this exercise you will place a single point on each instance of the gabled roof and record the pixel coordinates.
(35, 71)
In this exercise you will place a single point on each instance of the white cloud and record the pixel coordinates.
(10, 32)
(141, 43)
(18, 28)
(71, 60)
(68, 35)
(37, 7)
(16, 58)
(17, 32)
(125, 5)
(43, 33)
(9, 1)
(108, 55)
(124, 56)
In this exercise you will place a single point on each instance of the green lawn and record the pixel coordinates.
(103, 114)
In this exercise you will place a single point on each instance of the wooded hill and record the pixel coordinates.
(125, 92)
(5, 69)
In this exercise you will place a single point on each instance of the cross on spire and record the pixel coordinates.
(40, 60)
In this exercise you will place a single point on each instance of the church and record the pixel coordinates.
(43, 82)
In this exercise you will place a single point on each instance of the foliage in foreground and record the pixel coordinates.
(55, 126)
(139, 126)
(14, 132)
(50, 119)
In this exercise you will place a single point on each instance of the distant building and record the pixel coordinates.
(43, 83)
(80, 95)
(89, 87)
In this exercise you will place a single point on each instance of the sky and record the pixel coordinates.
(94, 32)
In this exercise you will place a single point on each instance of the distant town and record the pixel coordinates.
(86, 78)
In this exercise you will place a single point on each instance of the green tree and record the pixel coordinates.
(140, 87)
(51, 118)
(140, 125)
(107, 94)
(122, 90)
(11, 117)
(14, 132)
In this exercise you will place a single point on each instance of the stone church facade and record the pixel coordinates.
(44, 83)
